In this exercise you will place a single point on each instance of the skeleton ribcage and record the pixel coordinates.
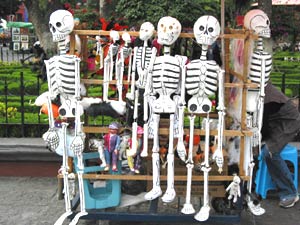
(256, 67)
(166, 75)
(143, 56)
(61, 74)
(201, 77)
(126, 51)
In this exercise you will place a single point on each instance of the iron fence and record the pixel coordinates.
(7, 55)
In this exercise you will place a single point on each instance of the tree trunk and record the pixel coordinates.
(40, 19)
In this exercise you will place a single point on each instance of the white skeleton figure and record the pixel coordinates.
(164, 80)
(63, 75)
(202, 79)
(140, 65)
(124, 53)
(260, 69)
(109, 62)
(234, 188)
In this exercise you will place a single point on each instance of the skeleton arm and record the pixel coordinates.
(181, 106)
(148, 90)
(218, 155)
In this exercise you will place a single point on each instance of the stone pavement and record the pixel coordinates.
(34, 200)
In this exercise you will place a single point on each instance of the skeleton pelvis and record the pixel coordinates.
(199, 105)
(164, 104)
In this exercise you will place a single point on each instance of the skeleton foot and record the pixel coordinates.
(203, 214)
(169, 196)
(188, 209)
(103, 164)
(76, 218)
(153, 194)
(256, 210)
(61, 219)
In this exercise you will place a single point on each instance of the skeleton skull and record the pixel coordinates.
(61, 24)
(168, 30)
(206, 30)
(114, 35)
(146, 31)
(258, 21)
(126, 37)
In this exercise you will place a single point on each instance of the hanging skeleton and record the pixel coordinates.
(140, 66)
(124, 53)
(202, 79)
(63, 76)
(164, 80)
(260, 69)
(109, 62)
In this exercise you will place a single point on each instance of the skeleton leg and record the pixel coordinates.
(106, 79)
(145, 127)
(134, 125)
(188, 207)
(170, 192)
(203, 214)
(156, 190)
(64, 170)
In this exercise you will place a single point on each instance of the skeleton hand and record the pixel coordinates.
(51, 138)
(234, 188)
(77, 145)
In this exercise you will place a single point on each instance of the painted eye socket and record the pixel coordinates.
(268, 22)
(58, 24)
(50, 25)
(171, 27)
(210, 29)
(201, 28)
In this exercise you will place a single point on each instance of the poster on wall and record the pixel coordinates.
(16, 38)
(16, 46)
(15, 30)
(24, 38)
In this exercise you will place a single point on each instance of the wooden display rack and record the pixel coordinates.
(245, 35)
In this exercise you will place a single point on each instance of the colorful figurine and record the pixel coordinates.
(134, 154)
(112, 142)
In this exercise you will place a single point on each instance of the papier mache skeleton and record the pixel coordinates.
(163, 93)
(109, 62)
(63, 76)
(260, 69)
(202, 80)
(140, 66)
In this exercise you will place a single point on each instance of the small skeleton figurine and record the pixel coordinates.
(124, 53)
(140, 65)
(109, 62)
(63, 75)
(202, 79)
(163, 86)
(234, 188)
(260, 69)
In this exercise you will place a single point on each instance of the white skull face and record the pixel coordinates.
(126, 38)
(168, 30)
(114, 35)
(206, 30)
(146, 31)
(258, 21)
(61, 24)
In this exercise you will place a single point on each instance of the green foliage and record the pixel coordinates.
(137, 12)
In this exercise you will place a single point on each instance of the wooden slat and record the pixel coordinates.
(148, 177)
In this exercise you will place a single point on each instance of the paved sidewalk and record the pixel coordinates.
(34, 200)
